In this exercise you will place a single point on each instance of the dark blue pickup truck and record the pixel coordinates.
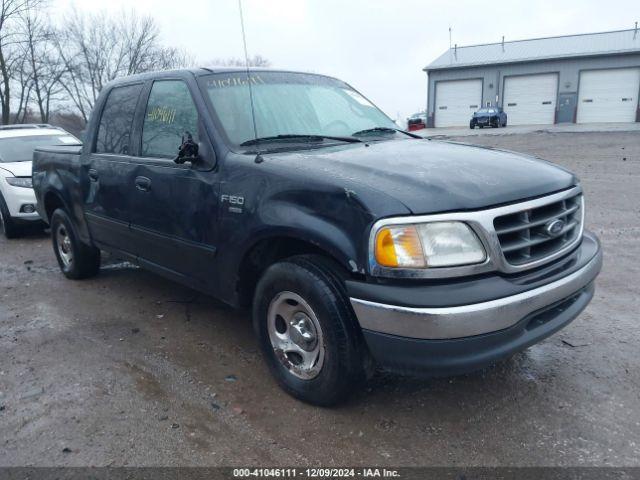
(355, 243)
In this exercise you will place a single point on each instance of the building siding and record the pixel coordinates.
(568, 71)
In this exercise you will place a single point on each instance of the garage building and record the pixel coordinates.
(588, 78)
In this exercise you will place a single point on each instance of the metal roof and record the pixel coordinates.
(589, 44)
(18, 126)
(32, 132)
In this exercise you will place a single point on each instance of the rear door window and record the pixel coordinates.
(170, 115)
(116, 122)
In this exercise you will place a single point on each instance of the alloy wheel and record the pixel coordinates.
(65, 248)
(296, 335)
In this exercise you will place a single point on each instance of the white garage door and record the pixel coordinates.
(530, 99)
(608, 95)
(456, 101)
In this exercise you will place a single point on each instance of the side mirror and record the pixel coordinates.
(188, 150)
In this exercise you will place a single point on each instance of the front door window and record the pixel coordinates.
(171, 114)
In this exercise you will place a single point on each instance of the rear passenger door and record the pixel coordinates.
(174, 207)
(109, 169)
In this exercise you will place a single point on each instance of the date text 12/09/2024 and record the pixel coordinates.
(315, 473)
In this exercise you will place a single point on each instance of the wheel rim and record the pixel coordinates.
(63, 242)
(296, 335)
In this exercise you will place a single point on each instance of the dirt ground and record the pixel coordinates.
(130, 369)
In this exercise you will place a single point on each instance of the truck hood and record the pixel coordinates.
(433, 176)
(17, 169)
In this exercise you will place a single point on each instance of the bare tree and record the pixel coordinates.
(22, 81)
(10, 39)
(58, 72)
(43, 63)
(96, 49)
(255, 61)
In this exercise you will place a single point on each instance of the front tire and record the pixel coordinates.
(307, 331)
(76, 259)
(8, 225)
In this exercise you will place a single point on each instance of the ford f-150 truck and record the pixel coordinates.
(354, 242)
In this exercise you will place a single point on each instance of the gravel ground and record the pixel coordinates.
(130, 369)
(465, 131)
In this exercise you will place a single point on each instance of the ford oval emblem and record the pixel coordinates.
(554, 227)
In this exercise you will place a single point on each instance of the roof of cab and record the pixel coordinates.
(201, 71)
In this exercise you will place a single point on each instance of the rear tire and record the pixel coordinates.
(308, 332)
(8, 225)
(77, 260)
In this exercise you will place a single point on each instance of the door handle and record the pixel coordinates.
(143, 184)
(93, 175)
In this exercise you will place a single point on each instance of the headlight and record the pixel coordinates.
(24, 182)
(434, 244)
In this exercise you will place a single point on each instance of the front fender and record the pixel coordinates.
(338, 231)
(328, 241)
(334, 215)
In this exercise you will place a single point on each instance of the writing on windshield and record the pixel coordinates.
(288, 104)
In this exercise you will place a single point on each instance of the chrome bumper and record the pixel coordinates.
(474, 319)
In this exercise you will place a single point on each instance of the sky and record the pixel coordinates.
(378, 46)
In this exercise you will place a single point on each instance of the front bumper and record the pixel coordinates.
(464, 336)
(485, 120)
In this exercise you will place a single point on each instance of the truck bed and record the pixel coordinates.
(57, 166)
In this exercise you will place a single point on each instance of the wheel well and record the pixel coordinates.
(52, 201)
(269, 251)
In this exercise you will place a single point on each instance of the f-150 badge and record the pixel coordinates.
(236, 202)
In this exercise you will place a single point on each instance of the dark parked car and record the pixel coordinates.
(489, 117)
(354, 243)
(417, 121)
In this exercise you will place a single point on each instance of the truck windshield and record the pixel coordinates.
(290, 104)
(20, 149)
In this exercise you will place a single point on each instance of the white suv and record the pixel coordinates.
(17, 200)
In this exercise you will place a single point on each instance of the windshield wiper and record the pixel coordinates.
(383, 130)
(299, 138)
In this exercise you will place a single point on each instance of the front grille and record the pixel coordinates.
(525, 237)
